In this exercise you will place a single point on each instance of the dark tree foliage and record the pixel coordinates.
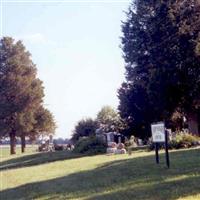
(160, 46)
(136, 114)
(84, 128)
(44, 121)
(21, 92)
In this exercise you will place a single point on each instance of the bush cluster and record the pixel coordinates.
(180, 141)
(59, 147)
(90, 146)
(184, 141)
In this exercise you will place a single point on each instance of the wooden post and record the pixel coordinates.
(156, 150)
(166, 149)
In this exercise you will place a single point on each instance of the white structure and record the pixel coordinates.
(158, 132)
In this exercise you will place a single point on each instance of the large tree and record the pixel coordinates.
(84, 128)
(109, 119)
(161, 50)
(26, 119)
(21, 92)
(32, 124)
(45, 123)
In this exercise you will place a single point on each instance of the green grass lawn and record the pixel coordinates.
(62, 175)
(5, 151)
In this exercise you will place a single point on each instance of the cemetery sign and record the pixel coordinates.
(158, 132)
(160, 135)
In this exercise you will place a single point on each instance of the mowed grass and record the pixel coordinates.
(116, 177)
(5, 151)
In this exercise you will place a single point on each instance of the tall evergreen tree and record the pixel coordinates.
(21, 92)
(160, 45)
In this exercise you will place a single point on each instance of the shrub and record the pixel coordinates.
(152, 146)
(185, 141)
(59, 147)
(181, 140)
(90, 146)
(173, 144)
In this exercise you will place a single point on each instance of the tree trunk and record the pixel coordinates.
(193, 123)
(23, 143)
(12, 143)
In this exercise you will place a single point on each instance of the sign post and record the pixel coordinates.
(157, 154)
(166, 149)
(160, 135)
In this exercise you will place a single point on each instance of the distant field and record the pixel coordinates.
(63, 175)
(5, 150)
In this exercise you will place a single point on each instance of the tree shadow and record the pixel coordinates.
(122, 179)
(37, 159)
(172, 190)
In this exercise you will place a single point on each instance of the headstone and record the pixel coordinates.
(119, 139)
(140, 143)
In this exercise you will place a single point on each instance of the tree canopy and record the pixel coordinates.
(21, 92)
(84, 128)
(109, 120)
(160, 45)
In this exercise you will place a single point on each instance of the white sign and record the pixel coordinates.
(158, 132)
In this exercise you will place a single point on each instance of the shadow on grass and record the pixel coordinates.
(136, 178)
(37, 159)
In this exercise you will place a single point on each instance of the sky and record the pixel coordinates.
(75, 46)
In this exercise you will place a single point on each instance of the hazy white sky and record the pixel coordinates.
(75, 46)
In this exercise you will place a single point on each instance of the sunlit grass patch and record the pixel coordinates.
(62, 175)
